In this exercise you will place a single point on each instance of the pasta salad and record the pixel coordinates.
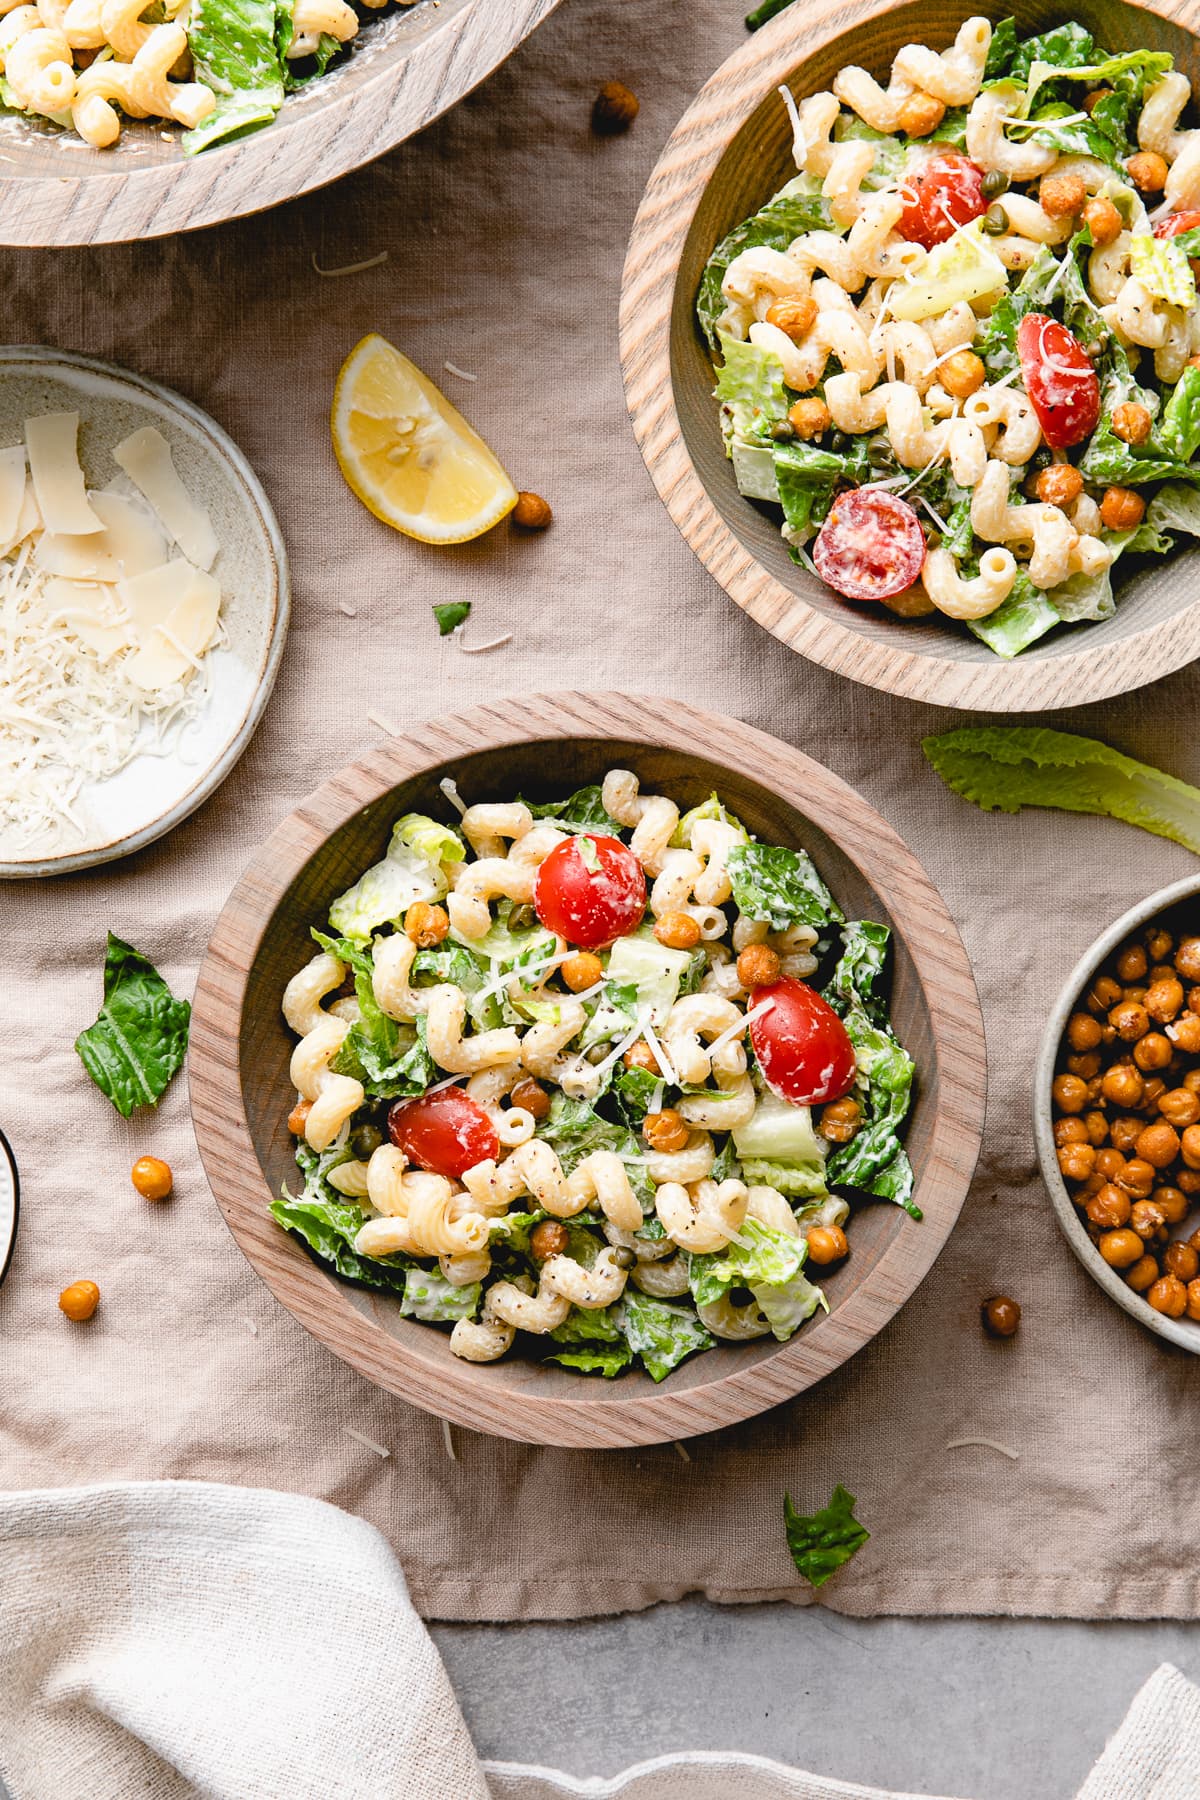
(593, 1072)
(219, 68)
(961, 348)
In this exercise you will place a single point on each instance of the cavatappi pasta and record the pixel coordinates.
(565, 1071)
(961, 349)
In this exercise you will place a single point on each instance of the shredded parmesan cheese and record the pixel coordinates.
(251, 1327)
(742, 1026)
(380, 1449)
(372, 262)
(448, 1440)
(449, 787)
(351, 612)
(385, 725)
(658, 1053)
(681, 1452)
(462, 374)
(478, 649)
(982, 1443)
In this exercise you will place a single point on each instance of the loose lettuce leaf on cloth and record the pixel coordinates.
(874, 1160)
(236, 53)
(770, 1264)
(428, 1295)
(141, 1032)
(780, 886)
(822, 1541)
(795, 209)
(410, 870)
(583, 811)
(328, 1223)
(661, 1334)
(1008, 767)
(750, 391)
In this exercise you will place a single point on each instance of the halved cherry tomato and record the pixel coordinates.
(1059, 380)
(871, 545)
(1173, 224)
(444, 1132)
(590, 890)
(802, 1046)
(947, 193)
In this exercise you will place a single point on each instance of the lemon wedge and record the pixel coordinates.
(408, 454)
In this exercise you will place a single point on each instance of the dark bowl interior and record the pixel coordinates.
(542, 771)
(754, 166)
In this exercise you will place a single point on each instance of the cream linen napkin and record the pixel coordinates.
(164, 1640)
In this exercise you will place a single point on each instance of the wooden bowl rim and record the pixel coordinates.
(325, 1309)
(771, 57)
(289, 157)
(1184, 1332)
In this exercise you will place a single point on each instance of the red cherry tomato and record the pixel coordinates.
(444, 1132)
(590, 890)
(1059, 380)
(1173, 224)
(802, 1046)
(947, 193)
(871, 545)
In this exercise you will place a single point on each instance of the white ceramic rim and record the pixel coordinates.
(207, 783)
(1184, 1332)
(10, 1204)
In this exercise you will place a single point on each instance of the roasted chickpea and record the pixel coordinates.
(1193, 1299)
(1154, 1051)
(1129, 1020)
(678, 931)
(1000, 1316)
(962, 374)
(531, 1097)
(1132, 963)
(1070, 1131)
(1168, 1295)
(1180, 1107)
(1122, 508)
(1122, 1085)
(920, 114)
(1160, 971)
(1158, 1145)
(1120, 1249)
(1148, 171)
(581, 971)
(827, 1244)
(1137, 1177)
(1189, 1144)
(80, 1300)
(758, 966)
(666, 1130)
(1132, 422)
(151, 1177)
(1145, 1219)
(1163, 999)
(548, 1239)
(809, 418)
(1062, 196)
(1181, 1261)
(1109, 1163)
(1185, 1033)
(1097, 1127)
(1089, 1189)
(795, 317)
(1105, 993)
(1187, 958)
(1143, 1272)
(1154, 1090)
(641, 1056)
(298, 1117)
(1076, 1161)
(1125, 1133)
(1083, 1032)
(426, 925)
(1159, 943)
(1188, 1180)
(1193, 1000)
(1092, 100)
(1068, 1091)
(842, 1118)
(1085, 1066)
(1172, 1203)
(1109, 1207)
(1058, 485)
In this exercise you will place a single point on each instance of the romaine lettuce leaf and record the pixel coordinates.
(795, 209)
(654, 971)
(140, 1036)
(235, 53)
(1008, 767)
(859, 969)
(583, 810)
(391, 1061)
(754, 470)
(1163, 269)
(661, 1334)
(767, 1262)
(780, 886)
(712, 808)
(583, 1327)
(821, 1542)
(428, 1295)
(806, 479)
(328, 1223)
(798, 1180)
(574, 1129)
(1020, 620)
(874, 1160)
(750, 390)
(384, 894)
(1180, 423)
(610, 1361)
(633, 1090)
(1175, 507)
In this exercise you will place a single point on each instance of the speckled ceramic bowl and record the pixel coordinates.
(9, 1204)
(1181, 901)
(153, 793)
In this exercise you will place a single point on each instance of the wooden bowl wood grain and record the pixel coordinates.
(405, 69)
(545, 746)
(730, 151)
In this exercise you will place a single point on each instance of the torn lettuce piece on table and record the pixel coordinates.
(822, 1542)
(140, 1036)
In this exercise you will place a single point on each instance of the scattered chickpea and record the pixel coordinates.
(1104, 994)
(1125, 1133)
(1096, 1126)
(548, 1239)
(1187, 958)
(678, 931)
(1158, 1144)
(1109, 1163)
(1181, 1261)
(827, 1244)
(298, 1117)
(1148, 171)
(1168, 1295)
(1059, 485)
(1143, 1272)
(1121, 1249)
(80, 1300)
(795, 317)
(641, 1056)
(809, 418)
(1077, 1161)
(1188, 1180)
(583, 970)
(842, 1118)
(666, 1130)
(616, 107)
(1172, 1203)
(1000, 1316)
(1085, 1066)
(1145, 1219)
(1137, 1177)
(151, 1177)
(1063, 196)
(531, 512)
(1132, 422)
(963, 374)
(426, 925)
(1070, 1131)
(758, 966)
(1190, 1146)
(920, 115)
(532, 1097)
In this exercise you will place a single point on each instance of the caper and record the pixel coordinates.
(782, 432)
(995, 221)
(624, 1259)
(365, 1141)
(522, 918)
(840, 443)
(995, 183)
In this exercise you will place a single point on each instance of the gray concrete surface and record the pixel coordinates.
(987, 1709)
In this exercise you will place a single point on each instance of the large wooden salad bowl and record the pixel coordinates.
(541, 747)
(406, 68)
(730, 151)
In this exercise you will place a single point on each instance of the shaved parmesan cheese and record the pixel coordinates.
(78, 558)
(91, 609)
(175, 645)
(12, 490)
(29, 520)
(131, 532)
(146, 458)
(57, 476)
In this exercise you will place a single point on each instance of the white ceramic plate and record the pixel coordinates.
(153, 793)
(9, 1202)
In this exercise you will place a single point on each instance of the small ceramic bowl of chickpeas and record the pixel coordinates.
(1117, 1112)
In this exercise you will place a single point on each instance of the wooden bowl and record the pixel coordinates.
(1174, 905)
(728, 154)
(547, 746)
(405, 69)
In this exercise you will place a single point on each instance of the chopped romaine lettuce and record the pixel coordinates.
(822, 1541)
(1180, 425)
(770, 1264)
(779, 886)
(574, 1129)
(1175, 507)
(795, 209)
(583, 1327)
(235, 53)
(1163, 269)
(584, 810)
(806, 478)
(407, 873)
(750, 390)
(779, 1131)
(611, 1360)
(428, 1295)
(328, 1223)
(661, 1334)
(965, 267)
(712, 808)
(754, 470)
(1020, 620)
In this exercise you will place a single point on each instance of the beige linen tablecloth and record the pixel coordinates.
(505, 227)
